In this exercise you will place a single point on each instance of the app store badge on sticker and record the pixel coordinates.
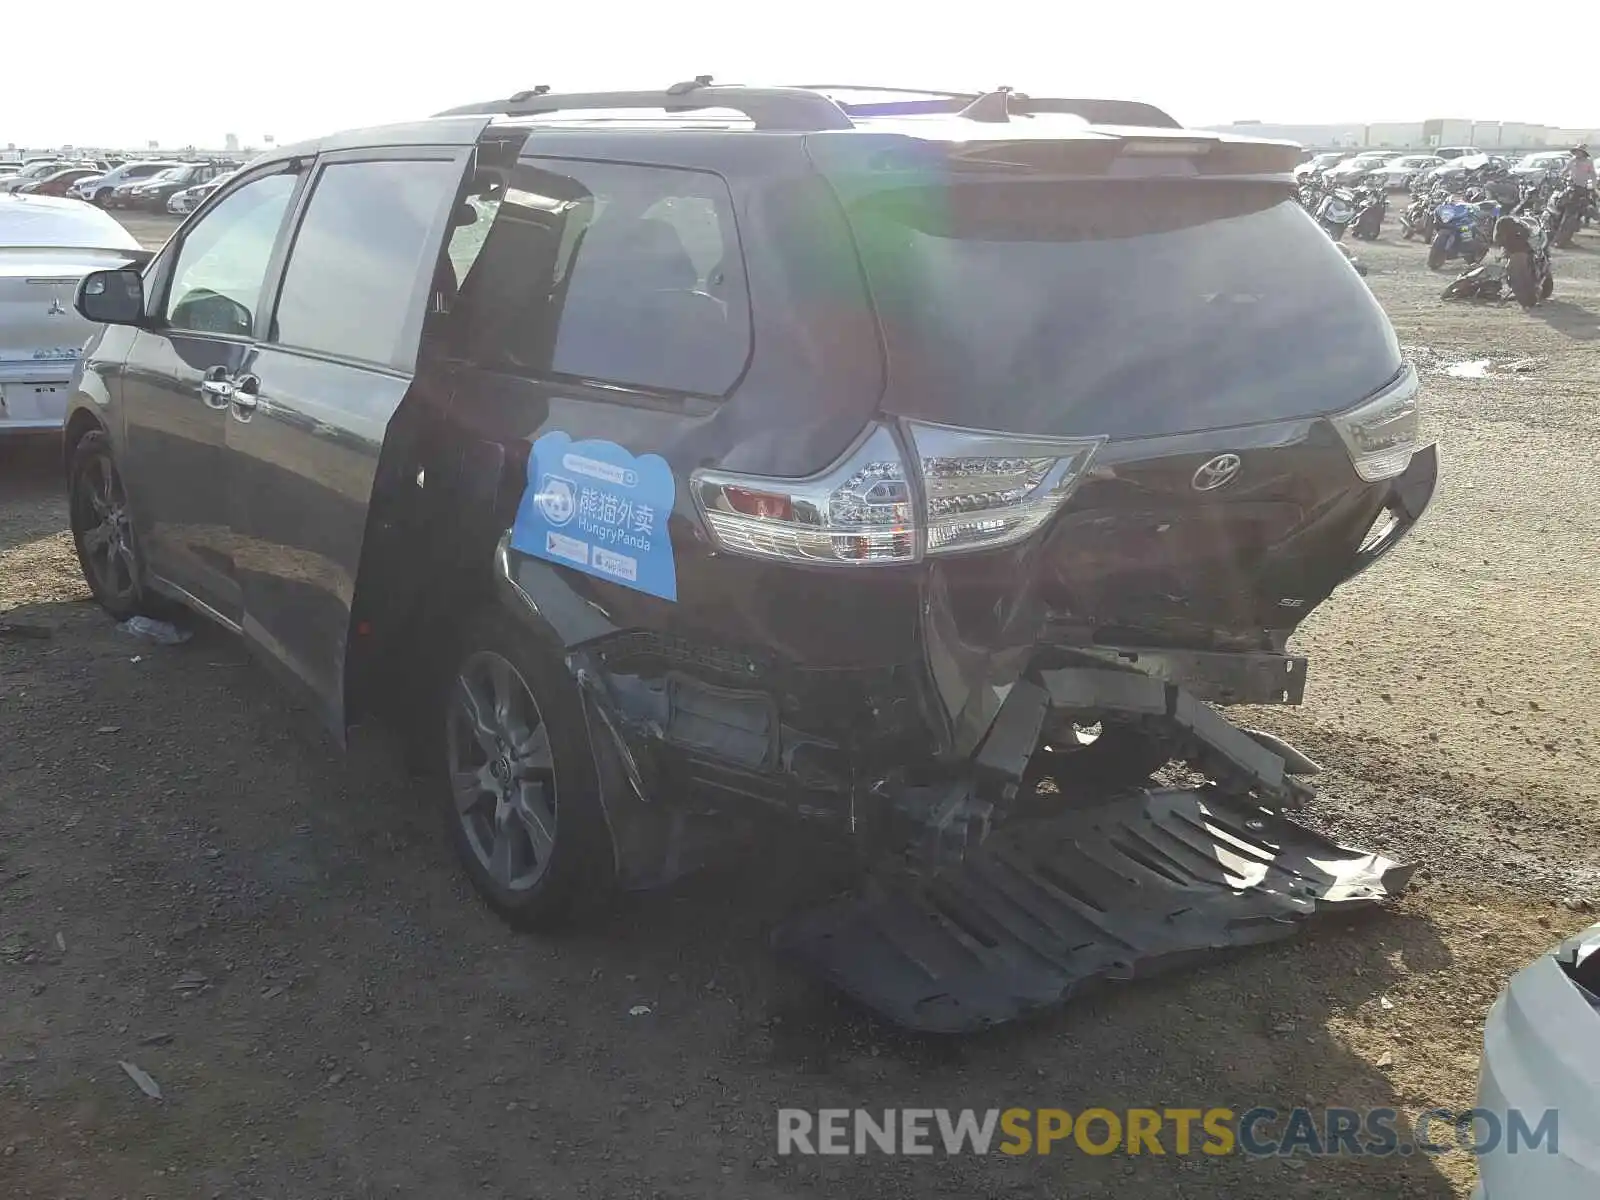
(595, 507)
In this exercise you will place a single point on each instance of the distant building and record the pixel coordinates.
(1567, 138)
(231, 143)
(1415, 135)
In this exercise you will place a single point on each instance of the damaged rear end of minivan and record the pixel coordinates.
(1135, 417)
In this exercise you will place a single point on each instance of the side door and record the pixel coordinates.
(604, 321)
(205, 299)
(313, 403)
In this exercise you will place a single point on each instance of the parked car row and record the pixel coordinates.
(151, 185)
(1394, 171)
(153, 191)
(29, 177)
(98, 189)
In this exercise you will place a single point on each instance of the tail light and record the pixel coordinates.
(900, 493)
(1381, 434)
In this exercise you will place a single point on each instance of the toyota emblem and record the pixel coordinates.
(1216, 472)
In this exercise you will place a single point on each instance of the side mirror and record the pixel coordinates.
(111, 297)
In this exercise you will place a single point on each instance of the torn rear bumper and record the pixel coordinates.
(1045, 910)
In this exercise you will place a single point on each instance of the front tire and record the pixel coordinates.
(102, 530)
(521, 798)
(1439, 252)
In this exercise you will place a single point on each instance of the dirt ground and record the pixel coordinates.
(194, 881)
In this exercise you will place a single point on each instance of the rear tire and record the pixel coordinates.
(1520, 275)
(1567, 230)
(520, 793)
(1548, 287)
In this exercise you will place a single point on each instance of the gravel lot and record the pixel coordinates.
(194, 881)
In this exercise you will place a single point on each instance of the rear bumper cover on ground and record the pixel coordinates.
(1045, 910)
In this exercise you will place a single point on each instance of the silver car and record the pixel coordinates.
(1541, 1056)
(1398, 172)
(46, 245)
(192, 198)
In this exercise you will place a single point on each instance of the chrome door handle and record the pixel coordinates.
(216, 389)
(245, 396)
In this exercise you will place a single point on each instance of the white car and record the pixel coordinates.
(1319, 162)
(1541, 1056)
(1397, 172)
(1536, 166)
(47, 244)
(1352, 170)
(98, 188)
(192, 198)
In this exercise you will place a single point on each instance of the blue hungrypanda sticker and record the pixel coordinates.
(594, 507)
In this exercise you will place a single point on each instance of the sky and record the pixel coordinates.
(185, 74)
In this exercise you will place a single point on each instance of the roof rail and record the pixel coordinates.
(795, 109)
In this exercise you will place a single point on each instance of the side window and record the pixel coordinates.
(619, 274)
(216, 281)
(365, 247)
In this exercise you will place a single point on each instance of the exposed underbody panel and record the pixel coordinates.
(1113, 891)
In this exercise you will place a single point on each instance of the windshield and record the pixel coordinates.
(1116, 307)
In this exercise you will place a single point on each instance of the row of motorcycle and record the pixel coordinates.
(1360, 211)
(1465, 219)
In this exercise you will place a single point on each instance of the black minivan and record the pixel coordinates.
(670, 460)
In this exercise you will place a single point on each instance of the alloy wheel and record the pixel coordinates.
(502, 771)
(103, 529)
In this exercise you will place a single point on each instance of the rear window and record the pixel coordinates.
(1125, 308)
(609, 272)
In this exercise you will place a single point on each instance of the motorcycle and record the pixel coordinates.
(1416, 219)
(1337, 210)
(1460, 232)
(1564, 212)
(1372, 205)
(1524, 266)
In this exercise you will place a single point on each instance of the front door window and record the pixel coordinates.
(216, 283)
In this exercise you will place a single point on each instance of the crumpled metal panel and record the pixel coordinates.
(1044, 910)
